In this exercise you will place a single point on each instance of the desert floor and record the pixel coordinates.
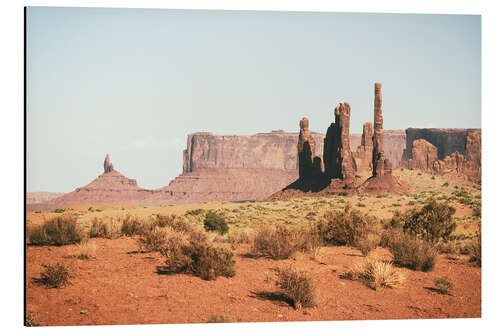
(121, 285)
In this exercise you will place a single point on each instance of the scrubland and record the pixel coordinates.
(363, 257)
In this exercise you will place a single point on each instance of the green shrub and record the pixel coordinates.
(443, 285)
(174, 222)
(60, 230)
(277, 243)
(200, 258)
(58, 210)
(55, 276)
(345, 227)
(411, 252)
(214, 222)
(433, 222)
(297, 286)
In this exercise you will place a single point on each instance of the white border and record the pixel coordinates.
(11, 131)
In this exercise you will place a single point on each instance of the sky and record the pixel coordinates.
(135, 82)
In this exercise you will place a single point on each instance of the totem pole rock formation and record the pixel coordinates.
(380, 163)
(306, 149)
(364, 153)
(108, 166)
(337, 156)
(382, 179)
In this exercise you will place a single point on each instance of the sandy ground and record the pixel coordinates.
(121, 286)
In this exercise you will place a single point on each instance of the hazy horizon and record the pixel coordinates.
(135, 82)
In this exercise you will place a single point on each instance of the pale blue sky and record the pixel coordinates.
(135, 82)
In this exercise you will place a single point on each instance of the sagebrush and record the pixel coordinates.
(60, 230)
(298, 286)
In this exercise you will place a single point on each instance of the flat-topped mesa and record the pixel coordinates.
(338, 159)
(108, 166)
(381, 165)
(305, 149)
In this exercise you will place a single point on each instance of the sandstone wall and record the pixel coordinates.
(446, 140)
(275, 150)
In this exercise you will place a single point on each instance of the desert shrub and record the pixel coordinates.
(448, 247)
(311, 242)
(360, 204)
(171, 249)
(476, 211)
(376, 273)
(172, 221)
(200, 259)
(195, 212)
(85, 250)
(411, 203)
(411, 252)
(474, 250)
(398, 219)
(446, 184)
(368, 243)
(238, 237)
(132, 225)
(432, 222)
(58, 210)
(105, 229)
(345, 227)
(60, 230)
(214, 222)
(277, 243)
(298, 286)
(443, 285)
(55, 276)
(153, 239)
(219, 319)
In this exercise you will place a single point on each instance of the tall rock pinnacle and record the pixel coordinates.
(338, 160)
(108, 166)
(305, 148)
(381, 165)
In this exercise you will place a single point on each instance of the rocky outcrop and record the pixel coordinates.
(111, 187)
(108, 166)
(305, 150)
(424, 156)
(363, 154)
(338, 160)
(446, 140)
(382, 180)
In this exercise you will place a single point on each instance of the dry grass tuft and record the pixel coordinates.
(377, 274)
(85, 250)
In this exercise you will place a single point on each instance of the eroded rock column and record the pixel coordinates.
(305, 148)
